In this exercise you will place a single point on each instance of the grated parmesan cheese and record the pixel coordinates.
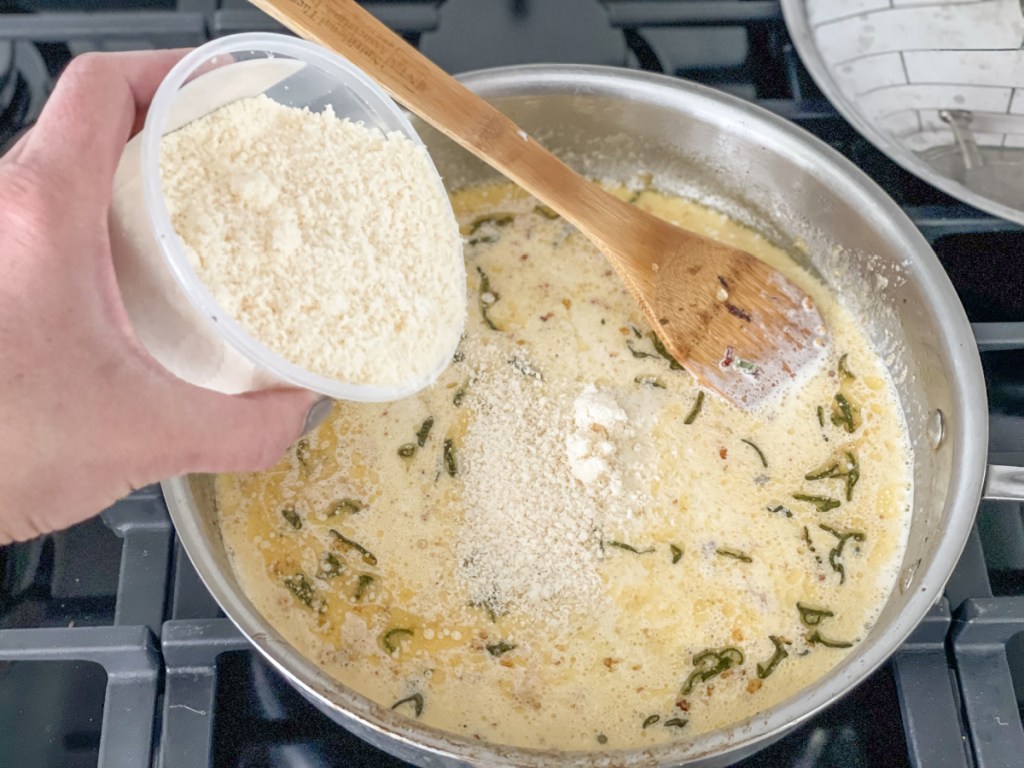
(329, 242)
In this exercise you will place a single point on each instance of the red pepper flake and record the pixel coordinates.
(729, 359)
(567, 303)
(524, 257)
(723, 452)
(683, 705)
(547, 317)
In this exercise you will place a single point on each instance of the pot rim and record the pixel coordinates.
(966, 472)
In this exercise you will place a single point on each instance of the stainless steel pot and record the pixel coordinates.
(802, 195)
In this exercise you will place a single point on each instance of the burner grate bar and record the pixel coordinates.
(657, 13)
(999, 337)
(132, 665)
(982, 631)
(190, 651)
(62, 26)
(927, 695)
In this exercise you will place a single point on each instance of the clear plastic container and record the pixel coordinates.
(173, 314)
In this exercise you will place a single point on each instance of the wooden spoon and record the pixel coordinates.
(736, 324)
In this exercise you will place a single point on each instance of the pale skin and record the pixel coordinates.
(86, 415)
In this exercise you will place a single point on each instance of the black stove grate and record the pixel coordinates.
(113, 654)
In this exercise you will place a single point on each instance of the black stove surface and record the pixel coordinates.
(113, 654)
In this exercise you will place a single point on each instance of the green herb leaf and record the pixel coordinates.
(330, 566)
(837, 550)
(368, 557)
(299, 586)
(764, 670)
(488, 298)
(821, 416)
(391, 640)
(348, 506)
(649, 381)
(735, 554)
(650, 720)
(823, 503)
(673, 364)
(778, 509)
(747, 367)
(637, 353)
(491, 613)
(844, 414)
(495, 219)
(807, 539)
(525, 368)
(677, 553)
(459, 396)
(302, 453)
(450, 465)
(545, 211)
(365, 580)
(459, 356)
(289, 514)
(695, 410)
(760, 453)
(676, 722)
(844, 371)
(416, 700)
(500, 648)
(815, 638)
(407, 451)
(710, 663)
(424, 431)
(629, 548)
(846, 468)
(812, 617)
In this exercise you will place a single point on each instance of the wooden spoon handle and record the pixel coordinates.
(422, 86)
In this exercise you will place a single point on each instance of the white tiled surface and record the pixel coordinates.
(901, 61)
(948, 26)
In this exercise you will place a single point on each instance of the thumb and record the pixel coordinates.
(214, 432)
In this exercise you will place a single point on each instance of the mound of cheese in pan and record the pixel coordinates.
(565, 543)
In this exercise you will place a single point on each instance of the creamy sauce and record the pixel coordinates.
(456, 579)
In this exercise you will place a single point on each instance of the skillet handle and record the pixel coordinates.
(1003, 483)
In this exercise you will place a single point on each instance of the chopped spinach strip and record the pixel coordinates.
(459, 396)
(459, 356)
(673, 364)
(637, 353)
(424, 431)
(837, 550)
(348, 506)
(525, 368)
(500, 648)
(416, 700)
(847, 468)
(365, 580)
(290, 515)
(450, 465)
(807, 540)
(496, 219)
(392, 638)
(650, 720)
(488, 298)
(735, 554)
(649, 381)
(629, 547)
(709, 663)
(545, 211)
(695, 410)
(407, 451)
(330, 566)
(844, 370)
(823, 503)
(821, 416)
(602, 739)
(812, 617)
(844, 414)
(764, 670)
(677, 553)
(760, 453)
(368, 557)
(815, 638)
(636, 331)
(676, 722)
(747, 367)
(302, 453)
(491, 613)
(778, 509)
(299, 586)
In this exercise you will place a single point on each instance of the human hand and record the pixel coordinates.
(86, 414)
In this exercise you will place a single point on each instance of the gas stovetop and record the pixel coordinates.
(112, 653)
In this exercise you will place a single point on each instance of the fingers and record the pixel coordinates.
(233, 433)
(98, 103)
